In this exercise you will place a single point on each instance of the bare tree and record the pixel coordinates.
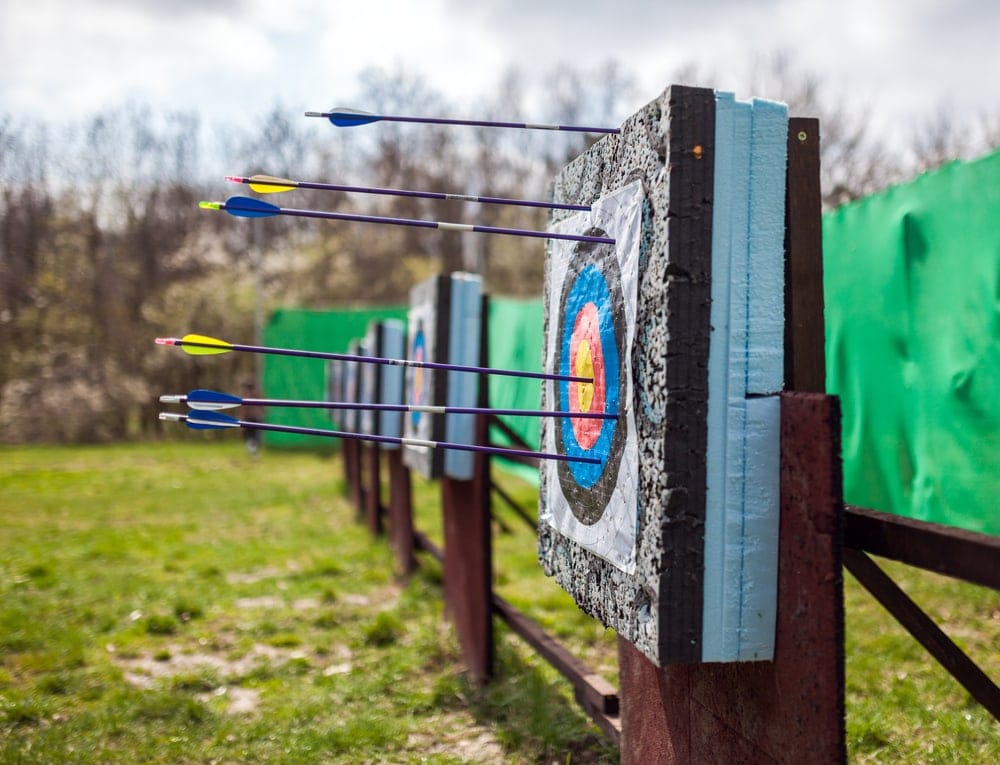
(853, 162)
(940, 138)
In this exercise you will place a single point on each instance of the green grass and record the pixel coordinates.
(902, 706)
(180, 603)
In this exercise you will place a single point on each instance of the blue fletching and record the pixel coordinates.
(211, 421)
(248, 207)
(208, 400)
(351, 118)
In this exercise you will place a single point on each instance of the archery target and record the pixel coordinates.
(370, 380)
(391, 379)
(591, 302)
(591, 331)
(418, 379)
(352, 374)
(427, 341)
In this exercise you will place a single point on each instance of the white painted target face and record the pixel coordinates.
(419, 381)
(591, 302)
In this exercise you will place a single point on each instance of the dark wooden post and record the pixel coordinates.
(401, 512)
(468, 551)
(792, 708)
(787, 710)
(805, 333)
(352, 473)
(371, 457)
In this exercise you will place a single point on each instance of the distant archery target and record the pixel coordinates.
(418, 377)
(591, 336)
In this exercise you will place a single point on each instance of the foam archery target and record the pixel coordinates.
(418, 380)
(350, 420)
(335, 388)
(370, 380)
(428, 337)
(444, 327)
(671, 539)
(393, 344)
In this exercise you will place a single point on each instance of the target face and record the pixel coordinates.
(426, 342)
(591, 307)
(418, 378)
(591, 333)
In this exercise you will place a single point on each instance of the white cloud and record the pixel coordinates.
(903, 58)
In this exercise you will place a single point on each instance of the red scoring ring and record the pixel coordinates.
(417, 390)
(587, 328)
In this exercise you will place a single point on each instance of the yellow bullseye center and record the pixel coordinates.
(584, 368)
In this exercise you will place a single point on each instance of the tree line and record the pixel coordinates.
(103, 247)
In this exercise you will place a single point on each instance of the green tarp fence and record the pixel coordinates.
(515, 329)
(912, 285)
(306, 379)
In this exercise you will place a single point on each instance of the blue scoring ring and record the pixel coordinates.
(590, 287)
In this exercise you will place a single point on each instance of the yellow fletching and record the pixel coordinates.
(218, 346)
(268, 184)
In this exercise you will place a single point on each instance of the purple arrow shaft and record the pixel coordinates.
(479, 123)
(322, 214)
(386, 362)
(497, 450)
(430, 409)
(419, 194)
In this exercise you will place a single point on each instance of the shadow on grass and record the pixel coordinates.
(531, 711)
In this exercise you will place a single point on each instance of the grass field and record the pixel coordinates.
(181, 603)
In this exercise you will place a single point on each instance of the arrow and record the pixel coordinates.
(268, 184)
(200, 345)
(216, 420)
(248, 207)
(210, 400)
(342, 116)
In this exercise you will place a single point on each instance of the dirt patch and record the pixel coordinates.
(252, 577)
(148, 670)
(262, 601)
(471, 743)
(145, 670)
(242, 701)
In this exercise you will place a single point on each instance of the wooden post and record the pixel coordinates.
(352, 473)
(805, 338)
(787, 710)
(468, 568)
(792, 708)
(401, 512)
(468, 547)
(371, 457)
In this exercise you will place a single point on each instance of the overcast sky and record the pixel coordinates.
(902, 60)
